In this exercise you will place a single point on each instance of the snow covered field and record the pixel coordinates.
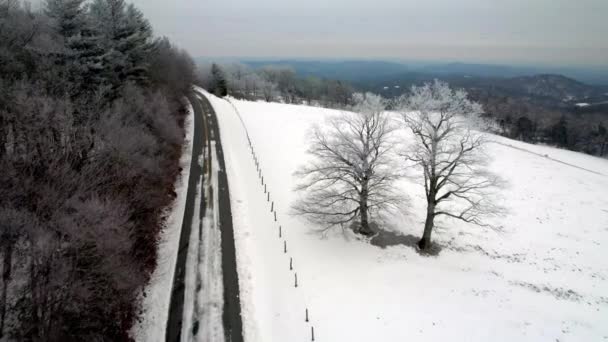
(542, 278)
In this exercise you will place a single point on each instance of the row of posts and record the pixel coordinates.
(274, 212)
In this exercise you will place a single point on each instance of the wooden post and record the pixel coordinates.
(262, 177)
(306, 315)
(284, 246)
(312, 332)
(291, 264)
(275, 216)
(280, 233)
(272, 206)
(264, 188)
(268, 199)
(296, 279)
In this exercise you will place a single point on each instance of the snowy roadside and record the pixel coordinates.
(156, 296)
(272, 308)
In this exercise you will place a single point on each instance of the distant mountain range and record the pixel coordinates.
(565, 89)
(359, 71)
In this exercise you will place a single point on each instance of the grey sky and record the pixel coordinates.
(565, 32)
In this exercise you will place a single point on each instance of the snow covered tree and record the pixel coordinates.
(218, 83)
(126, 37)
(109, 17)
(69, 22)
(352, 174)
(450, 153)
(135, 43)
(269, 90)
(85, 178)
(68, 16)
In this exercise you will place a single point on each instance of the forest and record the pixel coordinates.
(91, 129)
(276, 83)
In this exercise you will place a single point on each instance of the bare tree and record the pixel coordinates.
(450, 153)
(269, 90)
(352, 174)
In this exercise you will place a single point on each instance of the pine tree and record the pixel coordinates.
(126, 37)
(559, 132)
(108, 20)
(135, 44)
(68, 16)
(218, 82)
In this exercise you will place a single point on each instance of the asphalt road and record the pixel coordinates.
(205, 130)
(233, 326)
(176, 307)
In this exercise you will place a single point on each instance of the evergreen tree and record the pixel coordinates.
(559, 132)
(525, 129)
(68, 16)
(126, 37)
(601, 138)
(218, 83)
(81, 54)
(108, 18)
(135, 44)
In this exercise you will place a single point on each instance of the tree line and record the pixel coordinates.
(91, 128)
(273, 83)
(518, 118)
(358, 156)
(581, 129)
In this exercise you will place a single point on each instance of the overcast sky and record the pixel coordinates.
(557, 32)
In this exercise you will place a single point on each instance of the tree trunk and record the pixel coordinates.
(6, 275)
(425, 242)
(364, 229)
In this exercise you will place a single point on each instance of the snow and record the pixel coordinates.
(210, 297)
(582, 104)
(543, 277)
(204, 291)
(156, 297)
(191, 272)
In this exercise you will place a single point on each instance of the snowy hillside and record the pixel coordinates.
(542, 278)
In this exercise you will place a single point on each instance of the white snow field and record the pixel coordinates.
(542, 278)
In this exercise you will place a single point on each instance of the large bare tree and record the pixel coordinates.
(450, 152)
(351, 176)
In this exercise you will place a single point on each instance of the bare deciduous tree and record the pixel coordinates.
(352, 173)
(450, 153)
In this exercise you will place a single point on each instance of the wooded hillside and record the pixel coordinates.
(90, 137)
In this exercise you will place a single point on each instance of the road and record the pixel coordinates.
(206, 129)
